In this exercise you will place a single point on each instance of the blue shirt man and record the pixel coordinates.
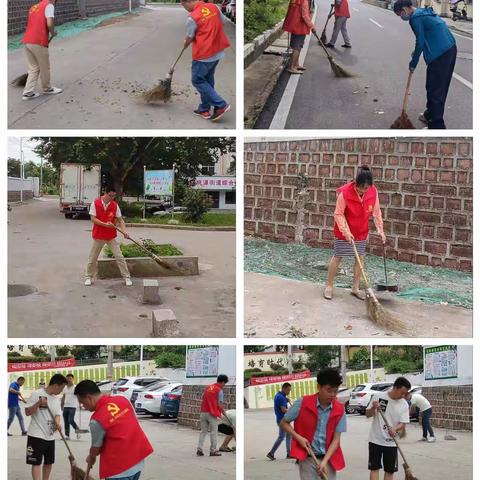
(14, 397)
(280, 407)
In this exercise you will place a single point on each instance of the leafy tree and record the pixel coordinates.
(321, 356)
(170, 360)
(62, 351)
(360, 360)
(197, 204)
(31, 169)
(84, 352)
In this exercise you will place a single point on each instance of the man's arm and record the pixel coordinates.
(33, 409)
(191, 31)
(120, 223)
(98, 437)
(372, 408)
(417, 27)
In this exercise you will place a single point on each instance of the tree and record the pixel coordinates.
(85, 352)
(360, 359)
(170, 360)
(197, 204)
(321, 356)
(254, 348)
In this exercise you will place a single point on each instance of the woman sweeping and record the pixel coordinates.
(357, 201)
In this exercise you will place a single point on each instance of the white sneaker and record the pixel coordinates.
(423, 439)
(52, 91)
(88, 282)
(30, 96)
(128, 282)
(432, 440)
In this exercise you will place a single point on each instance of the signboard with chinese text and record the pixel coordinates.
(158, 182)
(440, 362)
(202, 361)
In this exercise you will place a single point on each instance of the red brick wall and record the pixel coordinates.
(425, 189)
(14, 196)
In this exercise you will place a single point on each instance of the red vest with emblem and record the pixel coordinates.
(357, 211)
(108, 215)
(342, 10)
(306, 423)
(293, 22)
(125, 443)
(37, 30)
(210, 401)
(210, 37)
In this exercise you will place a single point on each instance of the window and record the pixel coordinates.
(208, 170)
(230, 198)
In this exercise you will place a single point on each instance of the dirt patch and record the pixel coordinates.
(113, 21)
(20, 290)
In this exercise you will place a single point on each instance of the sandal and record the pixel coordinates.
(226, 449)
(328, 293)
(358, 295)
(301, 68)
(215, 453)
(295, 72)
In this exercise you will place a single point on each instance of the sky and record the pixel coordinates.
(28, 146)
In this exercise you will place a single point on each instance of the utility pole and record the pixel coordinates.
(371, 364)
(141, 361)
(21, 169)
(109, 362)
(290, 359)
(53, 353)
(41, 177)
(343, 363)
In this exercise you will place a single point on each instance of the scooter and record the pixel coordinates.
(459, 11)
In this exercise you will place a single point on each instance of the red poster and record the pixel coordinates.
(280, 378)
(24, 367)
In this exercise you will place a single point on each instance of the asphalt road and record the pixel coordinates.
(103, 70)
(50, 253)
(382, 46)
(443, 459)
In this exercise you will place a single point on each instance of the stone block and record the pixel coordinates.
(165, 323)
(150, 292)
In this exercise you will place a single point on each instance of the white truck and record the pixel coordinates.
(80, 185)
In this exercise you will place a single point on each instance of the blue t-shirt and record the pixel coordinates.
(279, 401)
(13, 397)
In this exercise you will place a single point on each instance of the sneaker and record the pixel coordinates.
(346, 46)
(431, 440)
(88, 282)
(128, 282)
(24, 434)
(67, 437)
(289, 457)
(30, 95)
(423, 439)
(200, 453)
(205, 115)
(52, 91)
(9, 434)
(423, 118)
(218, 113)
(215, 453)
(80, 430)
(330, 45)
(270, 456)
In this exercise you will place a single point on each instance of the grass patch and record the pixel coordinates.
(209, 219)
(261, 16)
(131, 250)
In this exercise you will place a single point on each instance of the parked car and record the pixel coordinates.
(126, 385)
(224, 5)
(149, 402)
(343, 396)
(170, 402)
(231, 10)
(147, 388)
(105, 386)
(362, 394)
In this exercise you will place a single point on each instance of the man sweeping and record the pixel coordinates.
(417, 400)
(357, 202)
(280, 406)
(207, 36)
(227, 426)
(211, 410)
(437, 43)
(381, 448)
(14, 398)
(116, 434)
(342, 14)
(69, 406)
(298, 23)
(106, 215)
(319, 421)
(40, 30)
(41, 440)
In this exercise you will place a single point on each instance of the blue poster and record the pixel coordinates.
(158, 182)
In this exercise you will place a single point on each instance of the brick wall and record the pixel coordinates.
(189, 413)
(15, 196)
(452, 406)
(65, 11)
(425, 189)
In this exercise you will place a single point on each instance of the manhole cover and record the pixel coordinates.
(20, 290)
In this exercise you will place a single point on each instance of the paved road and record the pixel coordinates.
(173, 457)
(102, 69)
(273, 306)
(49, 252)
(443, 459)
(382, 45)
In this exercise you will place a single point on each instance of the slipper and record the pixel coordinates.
(329, 295)
(226, 449)
(295, 72)
(358, 295)
(301, 68)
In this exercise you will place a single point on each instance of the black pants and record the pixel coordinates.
(69, 419)
(439, 75)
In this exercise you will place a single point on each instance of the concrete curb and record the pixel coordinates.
(181, 227)
(252, 50)
(460, 30)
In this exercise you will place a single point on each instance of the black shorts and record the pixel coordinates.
(297, 41)
(39, 450)
(389, 455)
(225, 429)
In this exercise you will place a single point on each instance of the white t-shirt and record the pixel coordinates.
(232, 416)
(93, 210)
(70, 399)
(420, 401)
(50, 11)
(396, 411)
(41, 423)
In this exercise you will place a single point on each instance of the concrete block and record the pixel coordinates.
(150, 292)
(165, 323)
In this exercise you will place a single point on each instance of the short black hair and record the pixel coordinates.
(401, 382)
(57, 379)
(222, 378)
(110, 188)
(286, 384)
(399, 4)
(70, 375)
(20, 378)
(364, 176)
(329, 376)
(86, 387)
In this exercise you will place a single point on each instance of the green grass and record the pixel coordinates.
(132, 250)
(260, 16)
(209, 219)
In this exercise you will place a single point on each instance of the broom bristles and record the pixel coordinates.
(383, 317)
(20, 81)
(339, 71)
(79, 474)
(159, 93)
(403, 122)
(408, 473)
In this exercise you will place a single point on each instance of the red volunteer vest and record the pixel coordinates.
(210, 401)
(357, 212)
(108, 215)
(125, 443)
(306, 423)
(210, 37)
(37, 30)
(293, 22)
(342, 10)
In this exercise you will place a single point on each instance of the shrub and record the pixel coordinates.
(170, 360)
(197, 204)
(400, 366)
(132, 250)
(131, 209)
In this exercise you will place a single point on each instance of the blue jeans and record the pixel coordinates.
(426, 425)
(69, 419)
(131, 477)
(203, 79)
(15, 412)
(282, 435)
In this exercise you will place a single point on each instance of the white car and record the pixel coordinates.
(343, 396)
(126, 385)
(361, 395)
(149, 401)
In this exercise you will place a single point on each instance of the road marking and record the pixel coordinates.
(281, 114)
(462, 36)
(376, 23)
(463, 80)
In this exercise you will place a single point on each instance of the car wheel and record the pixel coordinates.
(350, 410)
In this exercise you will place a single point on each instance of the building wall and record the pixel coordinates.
(189, 413)
(425, 189)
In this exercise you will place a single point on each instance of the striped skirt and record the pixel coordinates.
(342, 248)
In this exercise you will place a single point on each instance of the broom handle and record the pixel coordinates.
(359, 261)
(407, 92)
(87, 473)
(151, 254)
(328, 18)
(323, 46)
(385, 264)
(63, 437)
(317, 463)
(394, 439)
(178, 59)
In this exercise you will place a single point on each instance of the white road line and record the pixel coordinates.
(463, 80)
(281, 114)
(461, 36)
(376, 23)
